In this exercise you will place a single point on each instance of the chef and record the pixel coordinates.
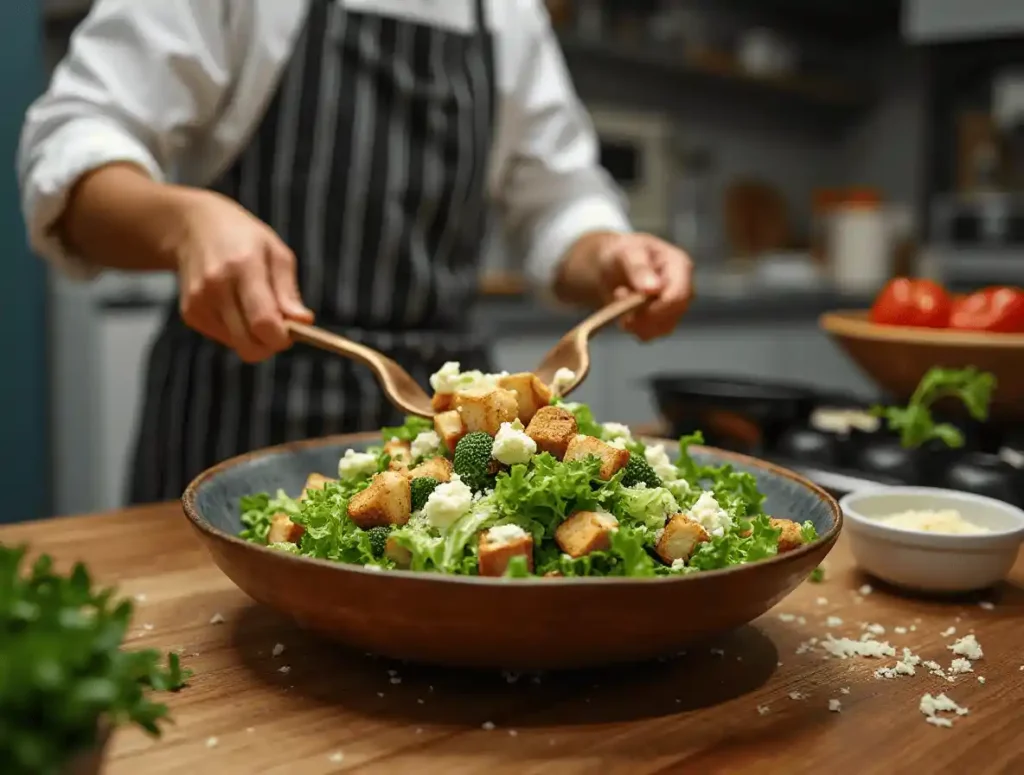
(327, 160)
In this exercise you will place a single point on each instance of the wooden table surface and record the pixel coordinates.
(726, 706)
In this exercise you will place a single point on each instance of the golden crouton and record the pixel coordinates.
(439, 468)
(315, 482)
(387, 501)
(283, 530)
(442, 402)
(612, 458)
(552, 428)
(485, 410)
(553, 574)
(400, 451)
(495, 555)
(585, 532)
(789, 538)
(399, 555)
(449, 426)
(680, 539)
(531, 393)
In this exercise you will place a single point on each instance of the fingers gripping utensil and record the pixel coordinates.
(572, 351)
(400, 388)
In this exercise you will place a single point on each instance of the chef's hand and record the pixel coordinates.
(237, 279)
(602, 266)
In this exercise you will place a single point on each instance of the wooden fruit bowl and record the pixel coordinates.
(896, 358)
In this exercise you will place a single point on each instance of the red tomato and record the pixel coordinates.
(908, 302)
(999, 309)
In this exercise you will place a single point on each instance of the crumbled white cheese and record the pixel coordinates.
(217, 619)
(425, 444)
(355, 465)
(394, 680)
(449, 379)
(797, 696)
(865, 590)
(845, 647)
(988, 606)
(835, 706)
(845, 690)
(449, 501)
(932, 706)
(981, 679)
(336, 758)
(211, 742)
(959, 666)
(616, 430)
(763, 710)
(278, 649)
(147, 627)
(710, 515)
(947, 632)
(140, 598)
(822, 601)
(657, 458)
(900, 630)
(967, 646)
(787, 618)
(488, 725)
(562, 380)
(678, 564)
(874, 629)
(505, 534)
(512, 446)
(284, 669)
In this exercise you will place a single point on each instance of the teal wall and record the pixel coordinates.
(24, 448)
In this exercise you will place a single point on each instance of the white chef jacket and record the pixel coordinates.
(178, 87)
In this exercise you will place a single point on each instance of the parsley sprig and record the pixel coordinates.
(915, 422)
(63, 674)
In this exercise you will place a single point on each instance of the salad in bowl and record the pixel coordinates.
(510, 480)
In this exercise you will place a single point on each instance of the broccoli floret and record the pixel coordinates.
(421, 487)
(378, 539)
(472, 461)
(637, 471)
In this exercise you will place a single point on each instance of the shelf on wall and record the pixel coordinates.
(823, 94)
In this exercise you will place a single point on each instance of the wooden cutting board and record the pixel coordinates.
(756, 700)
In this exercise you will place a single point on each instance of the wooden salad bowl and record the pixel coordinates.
(897, 357)
(469, 621)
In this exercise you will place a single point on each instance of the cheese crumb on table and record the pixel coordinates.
(787, 618)
(865, 590)
(987, 605)
(822, 601)
(217, 619)
(336, 758)
(835, 706)
(278, 649)
(967, 646)
(763, 710)
(488, 725)
(211, 742)
(874, 629)
(960, 666)
(845, 647)
(797, 696)
(947, 632)
(833, 621)
(931, 707)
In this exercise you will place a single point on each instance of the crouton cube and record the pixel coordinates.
(680, 539)
(449, 426)
(283, 530)
(790, 537)
(553, 574)
(399, 450)
(442, 402)
(552, 428)
(439, 468)
(315, 482)
(386, 501)
(486, 410)
(496, 552)
(399, 555)
(585, 532)
(612, 458)
(531, 393)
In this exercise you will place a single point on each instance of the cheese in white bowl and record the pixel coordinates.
(949, 521)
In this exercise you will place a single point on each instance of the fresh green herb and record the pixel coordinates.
(817, 575)
(63, 674)
(409, 430)
(915, 422)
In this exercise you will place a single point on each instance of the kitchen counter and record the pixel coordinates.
(506, 314)
(753, 700)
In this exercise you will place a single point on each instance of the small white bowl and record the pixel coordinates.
(932, 562)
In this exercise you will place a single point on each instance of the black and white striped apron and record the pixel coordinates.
(371, 164)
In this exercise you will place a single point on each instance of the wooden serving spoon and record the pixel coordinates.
(572, 350)
(400, 388)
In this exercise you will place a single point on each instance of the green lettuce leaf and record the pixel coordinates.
(257, 511)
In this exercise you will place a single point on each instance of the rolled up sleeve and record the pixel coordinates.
(138, 78)
(554, 189)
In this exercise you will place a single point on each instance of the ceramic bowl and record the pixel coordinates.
(896, 357)
(932, 562)
(468, 621)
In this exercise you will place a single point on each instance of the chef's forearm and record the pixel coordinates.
(118, 217)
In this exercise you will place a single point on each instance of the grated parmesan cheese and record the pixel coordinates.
(845, 647)
(835, 706)
(960, 666)
(967, 646)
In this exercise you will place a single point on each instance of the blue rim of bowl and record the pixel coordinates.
(861, 519)
(189, 496)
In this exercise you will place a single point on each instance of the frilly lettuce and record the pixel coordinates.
(647, 507)
(257, 511)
